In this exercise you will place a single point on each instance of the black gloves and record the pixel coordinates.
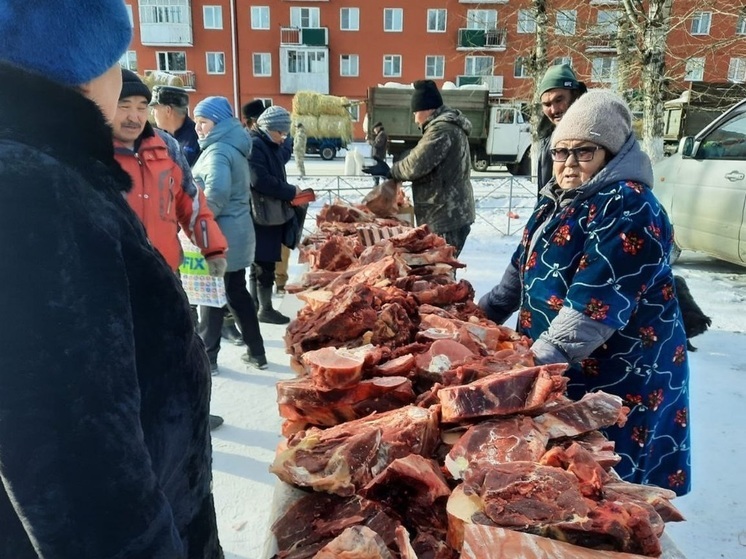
(380, 169)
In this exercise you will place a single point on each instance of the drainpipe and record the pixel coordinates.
(234, 49)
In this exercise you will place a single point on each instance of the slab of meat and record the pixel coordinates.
(330, 368)
(594, 411)
(336, 253)
(480, 366)
(443, 355)
(510, 439)
(597, 444)
(401, 365)
(503, 393)
(299, 400)
(344, 213)
(356, 542)
(343, 458)
(492, 542)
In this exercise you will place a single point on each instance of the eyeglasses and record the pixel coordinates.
(584, 153)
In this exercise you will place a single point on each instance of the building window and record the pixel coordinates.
(349, 65)
(305, 18)
(603, 70)
(392, 66)
(562, 60)
(266, 101)
(260, 17)
(306, 61)
(164, 11)
(695, 70)
(172, 61)
(701, 23)
(215, 62)
(129, 60)
(213, 17)
(565, 22)
(354, 112)
(526, 21)
(129, 13)
(520, 68)
(436, 21)
(349, 19)
(479, 65)
(607, 22)
(481, 19)
(393, 19)
(262, 64)
(737, 70)
(435, 67)
(741, 24)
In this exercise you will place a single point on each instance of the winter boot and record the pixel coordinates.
(229, 330)
(266, 312)
(256, 362)
(215, 422)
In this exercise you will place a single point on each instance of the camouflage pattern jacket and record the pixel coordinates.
(439, 167)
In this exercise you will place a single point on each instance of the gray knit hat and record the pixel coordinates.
(599, 116)
(275, 118)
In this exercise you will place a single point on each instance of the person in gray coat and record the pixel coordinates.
(222, 170)
(439, 167)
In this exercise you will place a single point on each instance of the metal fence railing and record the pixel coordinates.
(503, 204)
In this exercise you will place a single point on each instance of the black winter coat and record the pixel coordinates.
(267, 164)
(104, 386)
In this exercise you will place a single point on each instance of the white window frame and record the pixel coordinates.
(164, 56)
(389, 63)
(354, 111)
(566, 22)
(352, 14)
(604, 69)
(439, 18)
(737, 70)
(158, 11)
(349, 65)
(474, 64)
(701, 22)
(741, 24)
(607, 22)
(265, 64)
(305, 18)
(393, 20)
(520, 68)
(306, 61)
(435, 67)
(266, 101)
(485, 20)
(526, 22)
(260, 18)
(131, 15)
(695, 69)
(213, 15)
(216, 58)
(129, 60)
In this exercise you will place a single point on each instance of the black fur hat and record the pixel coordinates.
(426, 96)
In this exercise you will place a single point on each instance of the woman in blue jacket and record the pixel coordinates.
(592, 280)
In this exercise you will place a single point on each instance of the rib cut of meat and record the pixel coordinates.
(504, 393)
(510, 439)
(594, 411)
(299, 400)
(343, 458)
(356, 542)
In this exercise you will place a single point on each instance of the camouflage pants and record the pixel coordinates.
(456, 237)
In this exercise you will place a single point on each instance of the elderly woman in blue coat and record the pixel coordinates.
(222, 170)
(594, 287)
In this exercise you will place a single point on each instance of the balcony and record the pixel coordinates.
(166, 34)
(304, 36)
(494, 83)
(482, 39)
(601, 41)
(187, 79)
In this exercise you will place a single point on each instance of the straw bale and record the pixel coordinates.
(317, 104)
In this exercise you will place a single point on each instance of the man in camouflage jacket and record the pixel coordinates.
(438, 166)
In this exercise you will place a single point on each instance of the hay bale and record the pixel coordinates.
(156, 77)
(335, 127)
(310, 123)
(317, 104)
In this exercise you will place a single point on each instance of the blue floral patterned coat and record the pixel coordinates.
(594, 287)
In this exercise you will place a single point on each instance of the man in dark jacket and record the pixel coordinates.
(169, 105)
(378, 141)
(558, 89)
(439, 167)
(104, 385)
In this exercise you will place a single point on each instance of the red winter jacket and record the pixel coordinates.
(165, 197)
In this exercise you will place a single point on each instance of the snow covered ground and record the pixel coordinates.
(244, 447)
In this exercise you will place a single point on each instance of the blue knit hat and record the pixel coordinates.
(216, 109)
(275, 118)
(68, 41)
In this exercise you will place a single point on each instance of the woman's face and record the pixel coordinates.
(104, 91)
(203, 126)
(579, 162)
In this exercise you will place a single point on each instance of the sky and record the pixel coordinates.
(248, 497)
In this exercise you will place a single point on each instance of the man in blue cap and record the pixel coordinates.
(104, 386)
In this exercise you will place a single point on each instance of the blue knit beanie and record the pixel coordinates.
(274, 118)
(68, 41)
(216, 109)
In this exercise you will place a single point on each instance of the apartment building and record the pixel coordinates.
(270, 49)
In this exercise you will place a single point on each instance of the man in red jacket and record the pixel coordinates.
(163, 193)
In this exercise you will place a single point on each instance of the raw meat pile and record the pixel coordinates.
(423, 430)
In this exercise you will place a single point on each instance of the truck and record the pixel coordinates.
(327, 121)
(695, 108)
(326, 148)
(500, 133)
